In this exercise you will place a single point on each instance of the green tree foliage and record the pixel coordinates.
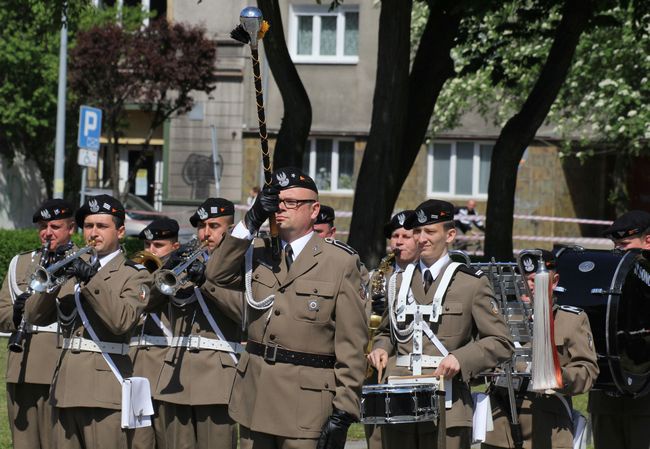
(29, 60)
(155, 67)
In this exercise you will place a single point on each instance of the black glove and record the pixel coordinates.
(378, 305)
(335, 431)
(81, 269)
(266, 203)
(19, 308)
(196, 273)
(173, 260)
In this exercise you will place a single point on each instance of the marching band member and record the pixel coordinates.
(546, 419)
(30, 372)
(151, 337)
(324, 224)
(403, 251)
(195, 382)
(620, 421)
(298, 383)
(97, 306)
(468, 336)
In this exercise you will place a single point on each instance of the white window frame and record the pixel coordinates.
(318, 11)
(476, 166)
(334, 169)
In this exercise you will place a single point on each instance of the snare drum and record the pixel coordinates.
(394, 404)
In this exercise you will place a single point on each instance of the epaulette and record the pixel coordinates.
(471, 271)
(572, 309)
(132, 264)
(339, 244)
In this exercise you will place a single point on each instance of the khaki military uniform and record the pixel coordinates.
(545, 420)
(147, 355)
(29, 373)
(195, 382)
(472, 329)
(85, 393)
(318, 310)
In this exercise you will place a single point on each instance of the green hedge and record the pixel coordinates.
(17, 241)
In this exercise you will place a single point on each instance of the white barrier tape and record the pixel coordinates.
(540, 218)
(537, 238)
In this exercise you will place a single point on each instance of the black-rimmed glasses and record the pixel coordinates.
(295, 204)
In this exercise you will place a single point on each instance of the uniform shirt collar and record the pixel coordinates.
(107, 258)
(299, 244)
(436, 267)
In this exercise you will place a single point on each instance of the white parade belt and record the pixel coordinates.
(32, 329)
(195, 342)
(79, 344)
(428, 361)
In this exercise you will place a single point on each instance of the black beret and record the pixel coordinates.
(53, 209)
(100, 204)
(212, 208)
(530, 262)
(290, 177)
(326, 215)
(396, 222)
(160, 229)
(430, 212)
(630, 223)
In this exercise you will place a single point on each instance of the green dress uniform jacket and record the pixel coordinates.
(545, 421)
(113, 300)
(36, 364)
(470, 327)
(319, 308)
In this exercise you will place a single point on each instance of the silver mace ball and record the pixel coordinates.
(251, 19)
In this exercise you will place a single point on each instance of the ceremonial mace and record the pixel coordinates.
(251, 29)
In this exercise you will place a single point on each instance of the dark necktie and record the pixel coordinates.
(428, 280)
(288, 256)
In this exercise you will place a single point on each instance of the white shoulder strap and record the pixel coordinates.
(165, 330)
(442, 289)
(404, 289)
(93, 335)
(213, 323)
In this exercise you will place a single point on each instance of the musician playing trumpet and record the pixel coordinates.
(150, 340)
(196, 376)
(29, 373)
(97, 307)
(461, 334)
(546, 418)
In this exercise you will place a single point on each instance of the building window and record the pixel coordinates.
(459, 169)
(317, 35)
(331, 163)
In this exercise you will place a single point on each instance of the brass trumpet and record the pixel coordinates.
(44, 279)
(149, 260)
(170, 281)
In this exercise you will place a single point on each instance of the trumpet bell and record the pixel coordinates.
(167, 282)
(149, 260)
(41, 280)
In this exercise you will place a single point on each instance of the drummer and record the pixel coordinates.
(544, 418)
(468, 336)
(620, 421)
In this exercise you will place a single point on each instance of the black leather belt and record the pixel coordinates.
(274, 354)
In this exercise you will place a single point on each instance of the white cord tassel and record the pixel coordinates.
(248, 287)
(543, 369)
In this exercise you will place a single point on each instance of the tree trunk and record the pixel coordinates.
(296, 121)
(432, 66)
(520, 129)
(377, 181)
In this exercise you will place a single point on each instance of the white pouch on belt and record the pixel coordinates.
(137, 407)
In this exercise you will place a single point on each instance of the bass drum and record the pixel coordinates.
(613, 287)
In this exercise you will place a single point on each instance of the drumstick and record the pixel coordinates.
(380, 368)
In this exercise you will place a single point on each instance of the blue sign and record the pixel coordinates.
(90, 128)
